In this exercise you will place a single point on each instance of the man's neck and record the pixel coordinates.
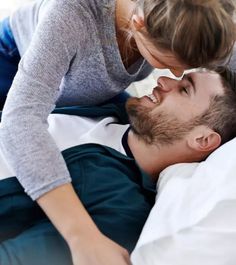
(145, 156)
(152, 158)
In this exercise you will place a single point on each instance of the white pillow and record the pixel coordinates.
(194, 217)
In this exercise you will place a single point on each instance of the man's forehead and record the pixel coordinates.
(207, 82)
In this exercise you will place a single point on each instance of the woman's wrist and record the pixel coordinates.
(81, 236)
(82, 232)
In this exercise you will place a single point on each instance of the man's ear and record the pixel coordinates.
(138, 21)
(203, 139)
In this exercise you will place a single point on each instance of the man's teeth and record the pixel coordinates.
(153, 98)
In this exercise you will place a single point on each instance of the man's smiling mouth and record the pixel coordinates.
(153, 97)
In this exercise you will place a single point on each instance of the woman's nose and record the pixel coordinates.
(177, 72)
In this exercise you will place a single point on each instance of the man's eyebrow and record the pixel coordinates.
(190, 79)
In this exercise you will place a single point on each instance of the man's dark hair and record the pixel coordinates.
(228, 77)
(221, 114)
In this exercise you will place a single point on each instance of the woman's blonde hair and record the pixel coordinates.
(198, 32)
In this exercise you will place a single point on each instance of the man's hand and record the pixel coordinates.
(98, 250)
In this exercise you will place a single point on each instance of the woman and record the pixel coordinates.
(86, 52)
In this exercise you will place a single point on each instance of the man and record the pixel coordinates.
(114, 167)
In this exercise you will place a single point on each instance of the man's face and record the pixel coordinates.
(171, 111)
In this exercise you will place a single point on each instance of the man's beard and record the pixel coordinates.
(160, 128)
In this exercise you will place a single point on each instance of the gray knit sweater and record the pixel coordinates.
(69, 56)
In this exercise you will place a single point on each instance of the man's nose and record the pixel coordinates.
(165, 84)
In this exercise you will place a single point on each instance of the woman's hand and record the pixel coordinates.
(98, 250)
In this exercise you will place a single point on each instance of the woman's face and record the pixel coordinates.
(158, 58)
